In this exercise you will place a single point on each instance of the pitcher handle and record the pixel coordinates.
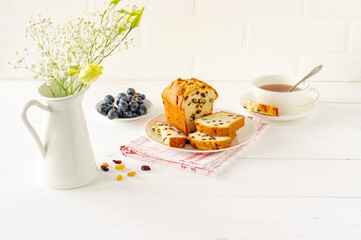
(30, 127)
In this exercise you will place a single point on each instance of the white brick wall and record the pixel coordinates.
(213, 39)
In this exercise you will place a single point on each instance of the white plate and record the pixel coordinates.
(298, 113)
(148, 104)
(244, 134)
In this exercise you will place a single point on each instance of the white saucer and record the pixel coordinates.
(297, 113)
(244, 134)
(148, 104)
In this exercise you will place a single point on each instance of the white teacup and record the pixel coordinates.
(284, 101)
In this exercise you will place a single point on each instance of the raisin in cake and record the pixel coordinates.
(169, 135)
(261, 108)
(205, 142)
(185, 100)
(220, 124)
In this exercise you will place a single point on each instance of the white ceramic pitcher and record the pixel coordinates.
(67, 157)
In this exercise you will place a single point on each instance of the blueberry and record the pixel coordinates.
(117, 102)
(120, 95)
(139, 100)
(123, 105)
(130, 96)
(142, 110)
(121, 114)
(128, 114)
(130, 91)
(109, 99)
(133, 106)
(112, 114)
(125, 99)
(103, 109)
(142, 96)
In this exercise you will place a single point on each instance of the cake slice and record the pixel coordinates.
(220, 124)
(169, 135)
(260, 108)
(205, 142)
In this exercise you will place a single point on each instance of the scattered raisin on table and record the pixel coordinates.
(145, 168)
(131, 174)
(119, 178)
(119, 167)
(104, 168)
(105, 164)
(117, 161)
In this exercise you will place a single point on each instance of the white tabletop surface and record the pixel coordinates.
(300, 180)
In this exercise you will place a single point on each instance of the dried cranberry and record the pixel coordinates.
(104, 168)
(117, 161)
(145, 168)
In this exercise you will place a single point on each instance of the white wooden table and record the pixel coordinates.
(300, 180)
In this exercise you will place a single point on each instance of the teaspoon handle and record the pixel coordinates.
(313, 72)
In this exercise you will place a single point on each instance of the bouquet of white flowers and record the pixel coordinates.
(71, 54)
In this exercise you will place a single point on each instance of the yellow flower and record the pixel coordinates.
(73, 70)
(90, 73)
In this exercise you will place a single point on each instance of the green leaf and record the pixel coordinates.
(122, 11)
(121, 29)
(115, 2)
(137, 18)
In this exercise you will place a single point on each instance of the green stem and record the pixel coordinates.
(130, 29)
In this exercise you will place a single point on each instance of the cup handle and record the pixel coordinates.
(314, 99)
(30, 127)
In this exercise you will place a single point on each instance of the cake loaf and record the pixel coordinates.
(220, 124)
(169, 135)
(187, 99)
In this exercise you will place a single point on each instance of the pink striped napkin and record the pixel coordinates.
(142, 148)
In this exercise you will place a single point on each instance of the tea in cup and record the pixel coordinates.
(273, 90)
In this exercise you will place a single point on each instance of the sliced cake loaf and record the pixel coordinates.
(205, 142)
(260, 108)
(169, 135)
(220, 124)
(187, 99)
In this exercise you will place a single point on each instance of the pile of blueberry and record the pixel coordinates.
(128, 105)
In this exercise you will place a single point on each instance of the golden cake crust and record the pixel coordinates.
(178, 90)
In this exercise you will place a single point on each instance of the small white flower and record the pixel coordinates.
(48, 81)
(76, 42)
(56, 72)
(63, 73)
